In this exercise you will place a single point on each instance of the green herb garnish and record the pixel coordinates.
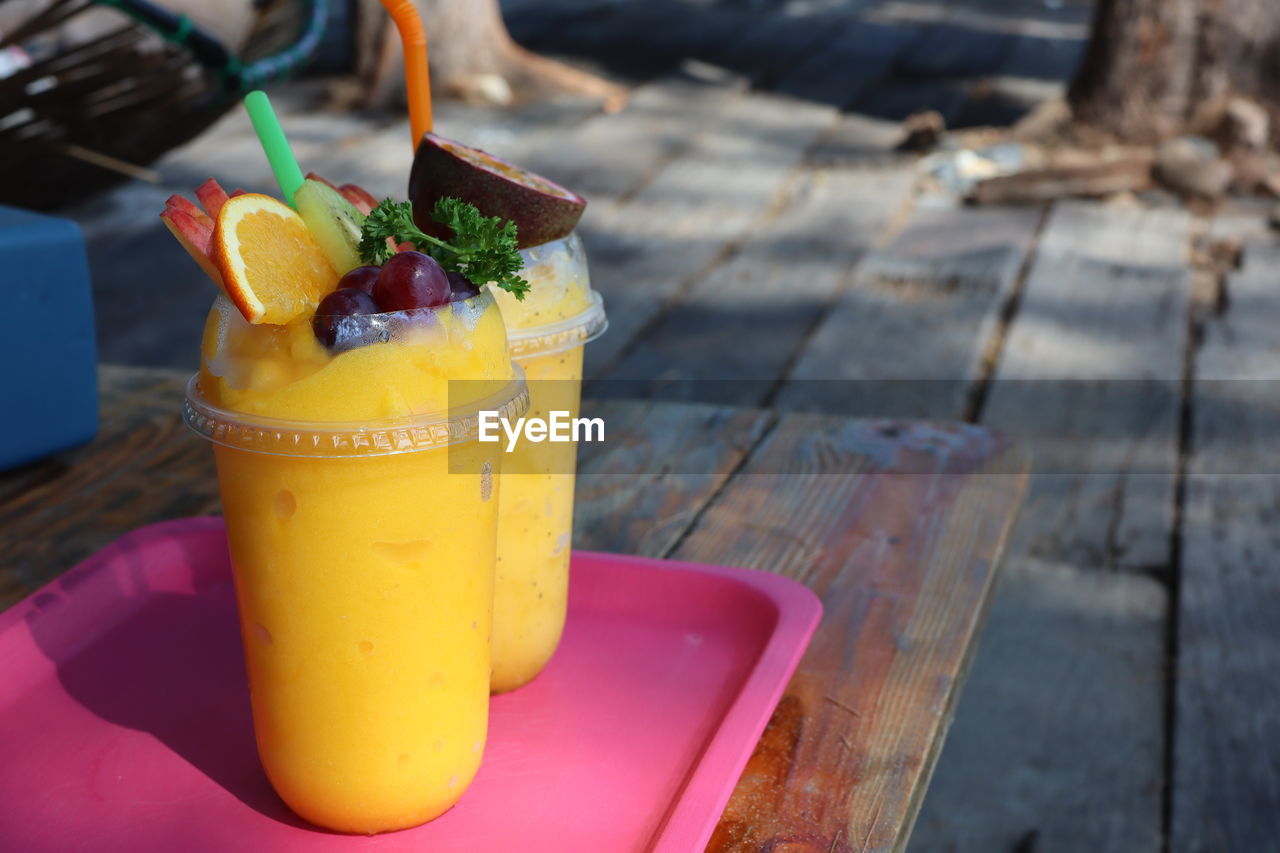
(483, 248)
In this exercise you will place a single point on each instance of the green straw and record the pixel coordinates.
(276, 147)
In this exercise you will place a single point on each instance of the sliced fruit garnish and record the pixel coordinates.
(542, 210)
(360, 198)
(212, 196)
(190, 208)
(312, 176)
(272, 268)
(194, 232)
(332, 220)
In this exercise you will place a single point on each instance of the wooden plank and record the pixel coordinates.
(611, 156)
(1104, 315)
(1069, 723)
(910, 336)
(1226, 759)
(640, 490)
(1058, 737)
(1128, 173)
(735, 331)
(904, 563)
(694, 210)
(145, 466)
(859, 141)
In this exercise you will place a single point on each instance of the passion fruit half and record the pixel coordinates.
(542, 210)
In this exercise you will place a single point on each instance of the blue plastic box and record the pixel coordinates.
(48, 357)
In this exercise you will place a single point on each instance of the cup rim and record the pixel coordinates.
(345, 439)
(561, 335)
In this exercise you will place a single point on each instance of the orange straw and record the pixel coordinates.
(416, 78)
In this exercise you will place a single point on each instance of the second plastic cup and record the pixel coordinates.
(363, 556)
(546, 332)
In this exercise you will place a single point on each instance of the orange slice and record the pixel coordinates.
(271, 267)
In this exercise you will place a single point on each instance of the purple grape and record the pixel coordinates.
(339, 323)
(461, 287)
(411, 280)
(361, 278)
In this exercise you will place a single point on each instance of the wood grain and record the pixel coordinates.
(694, 210)
(144, 466)
(1068, 711)
(910, 336)
(1090, 375)
(610, 157)
(1226, 782)
(904, 563)
(1057, 742)
(736, 330)
(640, 490)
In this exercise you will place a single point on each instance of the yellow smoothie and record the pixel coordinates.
(535, 513)
(363, 551)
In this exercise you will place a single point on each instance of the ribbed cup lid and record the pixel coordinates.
(336, 439)
(562, 335)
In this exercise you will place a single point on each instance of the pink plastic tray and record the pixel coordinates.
(124, 716)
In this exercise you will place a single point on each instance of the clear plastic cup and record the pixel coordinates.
(546, 333)
(363, 555)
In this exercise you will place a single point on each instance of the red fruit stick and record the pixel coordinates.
(188, 207)
(212, 196)
(360, 198)
(196, 232)
(195, 236)
(312, 176)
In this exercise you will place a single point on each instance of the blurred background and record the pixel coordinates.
(863, 207)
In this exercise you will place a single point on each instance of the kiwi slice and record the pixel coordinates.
(333, 221)
(542, 210)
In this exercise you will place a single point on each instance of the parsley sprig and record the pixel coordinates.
(483, 248)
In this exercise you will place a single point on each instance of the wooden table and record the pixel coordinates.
(898, 526)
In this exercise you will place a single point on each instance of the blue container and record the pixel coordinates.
(48, 357)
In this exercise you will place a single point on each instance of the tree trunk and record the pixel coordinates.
(1155, 68)
(472, 57)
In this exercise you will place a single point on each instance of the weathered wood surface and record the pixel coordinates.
(898, 526)
(904, 564)
(1095, 180)
(734, 332)
(912, 334)
(1073, 686)
(1226, 779)
(1057, 743)
(695, 210)
(144, 466)
(644, 487)
(1090, 373)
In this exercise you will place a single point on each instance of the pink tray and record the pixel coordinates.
(124, 717)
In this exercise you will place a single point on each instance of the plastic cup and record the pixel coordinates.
(363, 556)
(546, 334)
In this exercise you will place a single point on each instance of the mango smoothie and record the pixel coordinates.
(547, 330)
(362, 526)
